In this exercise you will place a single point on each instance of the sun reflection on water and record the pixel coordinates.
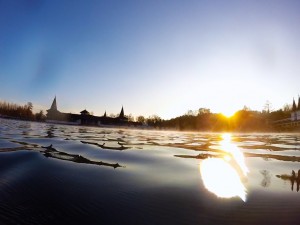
(223, 176)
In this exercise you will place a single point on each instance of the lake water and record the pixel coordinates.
(56, 174)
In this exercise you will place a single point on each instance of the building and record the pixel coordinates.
(85, 118)
(294, 121)
(295, 114)
(54, 115)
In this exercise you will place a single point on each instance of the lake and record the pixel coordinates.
(58, 174)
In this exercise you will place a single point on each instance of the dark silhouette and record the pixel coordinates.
(50, 133)
(86, 118)
(53, 153)
(10, 110)
(292, 178)
(245, 120)
(106, 147)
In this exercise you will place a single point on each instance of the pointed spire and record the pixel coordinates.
(54, 106)
(104, 114)
(294, 105)
(122, 113)
(298, 103)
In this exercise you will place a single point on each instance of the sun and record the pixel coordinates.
(228, 113)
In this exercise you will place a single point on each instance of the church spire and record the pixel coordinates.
(104, 114)
(54, 106)
(298, 108)
(122, 113)
(294, 105)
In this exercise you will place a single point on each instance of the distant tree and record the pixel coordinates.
(141, 119)
(154, 120)
(130, 118)
(287, 108)
(28, 110)
(202, 111)
(267, 107)
(29, 105)
(192, 113)
(40, 116)
(246, 108)
(17, 111)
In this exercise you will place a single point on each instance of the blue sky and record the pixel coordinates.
(152, 57)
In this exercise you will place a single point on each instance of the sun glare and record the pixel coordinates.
(231, 168)
(228, 113)
(221, 179)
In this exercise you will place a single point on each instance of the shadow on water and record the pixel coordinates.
(292, 178)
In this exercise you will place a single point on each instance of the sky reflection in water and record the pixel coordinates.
(57, 174)
(223, 176)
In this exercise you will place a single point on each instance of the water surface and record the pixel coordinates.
(56, 174)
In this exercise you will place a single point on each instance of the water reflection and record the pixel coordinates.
(235, 154)
(292, 178)
(266, 181)
(50, 132)
(223, 176)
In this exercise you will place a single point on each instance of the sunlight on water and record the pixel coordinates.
(222, 176)
(235, 154)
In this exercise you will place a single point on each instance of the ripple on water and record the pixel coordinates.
(152, 186)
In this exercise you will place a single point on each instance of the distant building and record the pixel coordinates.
(54, 114)
(85, 118)
(295, 114)
(293, 121)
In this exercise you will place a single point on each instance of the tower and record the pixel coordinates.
(294, 110)
(294, 105)
(122, 113)
(54, 105)
(53, 113)
(122, 118)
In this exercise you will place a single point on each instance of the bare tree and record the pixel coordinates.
(268, 106)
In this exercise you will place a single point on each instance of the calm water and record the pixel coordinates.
(55, 174)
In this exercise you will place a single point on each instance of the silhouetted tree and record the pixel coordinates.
(141, 119)
(130, 118)
(40, 116)
(154, 121)
(16, 111)
(287, 108)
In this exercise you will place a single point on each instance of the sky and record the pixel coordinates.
(161, 57)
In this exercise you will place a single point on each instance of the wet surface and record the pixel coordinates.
(86, 175)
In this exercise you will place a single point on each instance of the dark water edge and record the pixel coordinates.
(152, 186)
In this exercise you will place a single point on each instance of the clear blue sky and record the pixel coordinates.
(152, 57)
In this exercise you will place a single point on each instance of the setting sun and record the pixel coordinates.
(228, 113)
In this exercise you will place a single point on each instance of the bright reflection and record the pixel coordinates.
(235, 154)
(223, 176)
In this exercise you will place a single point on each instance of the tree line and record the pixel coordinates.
(24, 112)
(245, 120)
